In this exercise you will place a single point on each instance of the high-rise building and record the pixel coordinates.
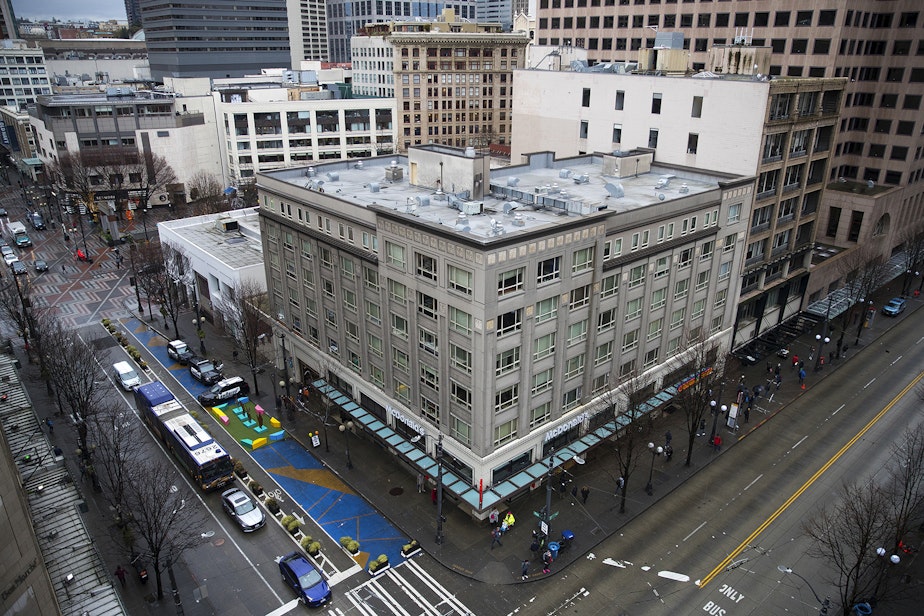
(23, 74)
(215, 38)
(346, 18)
(308, 30)
(133, 12)
(877, 45)
(452, 80)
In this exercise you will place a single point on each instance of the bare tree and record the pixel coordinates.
(906, 483)
(912, 238)
(152, 174)
(206, 194)
(244, 313)
(865, 272)
(247, 191)
(700, 368)
(118, 437)
(164, 516)
(633, 435)
(161, 270)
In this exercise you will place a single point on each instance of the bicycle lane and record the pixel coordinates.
(331, 504)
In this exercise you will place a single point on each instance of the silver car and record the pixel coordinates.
(243, 510)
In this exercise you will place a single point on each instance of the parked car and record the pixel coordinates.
(36, 220)
(224, 390)
(177, 350)
(40, 265)
(9, 255)
(18, 267)
(894, 307)
(204, 370)
(3, 212)
(304, 579)
(242, 510)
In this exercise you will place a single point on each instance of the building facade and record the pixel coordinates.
(308, 31)
(348, 19)
(501, 314)
(877, 46)
(23, 75)
(781, 131)
(452, 80)
(215, 39)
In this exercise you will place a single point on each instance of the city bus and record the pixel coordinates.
(204, 459)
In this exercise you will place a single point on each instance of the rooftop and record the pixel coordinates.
(521, 198)
(230, 237)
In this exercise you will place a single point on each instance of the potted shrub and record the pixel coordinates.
(410, 548)
(349, 544)
(239, 469)
(290, 523)
(106, 323)
(273, 505)
(378, 565)
(312, 547)
(256, 488)
(143, 364)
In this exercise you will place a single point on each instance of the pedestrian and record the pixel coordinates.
(795, 361)
(668, 452)
(778, 369)
(769, 368)
(51, 426)
(433, 495)
(778, 380)
(802, 363)
(509, 520)
(747, 412)
(702, 428)
(524, 569)
(668, 437)
(494, 516)
(620, 484)
(717, 443)
(260, 415)
(585, 492)
(801, 376)
(831, 356)
(495, 537)
(420, 483)
(546, 561)
(120, 573)
(811, 353)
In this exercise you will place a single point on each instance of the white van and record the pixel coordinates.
(126, 376)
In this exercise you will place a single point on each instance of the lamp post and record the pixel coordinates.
(821, 348)
(716, 407)
(827, 600)
(655, 451)
(439, 489)
(547, 516)
(198, 321)
(131, 256)
(346, 428)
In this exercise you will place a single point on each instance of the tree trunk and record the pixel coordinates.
(256, 386)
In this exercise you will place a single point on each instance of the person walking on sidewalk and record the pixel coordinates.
(524, 569)
(420, 483)
(120, 573)
(51, 426)
(802, 377)
(495, 537)
(585, 492)
(546, 561)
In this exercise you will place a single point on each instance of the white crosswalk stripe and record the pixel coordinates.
(405, 590)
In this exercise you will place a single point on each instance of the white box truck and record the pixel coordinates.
(18, 234)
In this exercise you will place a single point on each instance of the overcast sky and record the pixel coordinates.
(70, 9)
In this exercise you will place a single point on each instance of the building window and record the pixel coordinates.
(620, 100)
(677, 318)
(543, 381)
(603, 353)
(734, 213)
(510, 281)
(426, 267)
(571, 399)
(546, 309)
(506, 398)
(617, 133)
(630, 341)
(460, 430)
(543, 346)
(686, 257)
(507, 361)
(585, 97)
(397, 291)
(460, 321)
(540, 414)
(582, 260)
(637, 276)
(505, 432)
(460, 394)
(584, 129)
(577, 332)
(656, 103)
(699, 306)
(399, 327)
(653, 138)
(658, 298)
(580, 297)
(371, 278)
(702, 280)
(681, 287)
(606, 320)
(510, 322)
(633, 308)
(654, 328)
(697, 107)
(610, 286)
(720, 297)
(460, 280)
(460, 358)
(574, 366)
(427, 305)
(549, 270)
(395, 255)
(692, 143)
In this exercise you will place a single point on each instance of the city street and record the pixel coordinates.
(714, 544)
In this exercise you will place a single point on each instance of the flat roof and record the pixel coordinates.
(236, 248)
(522, 198)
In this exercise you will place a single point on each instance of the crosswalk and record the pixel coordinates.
(403, 590)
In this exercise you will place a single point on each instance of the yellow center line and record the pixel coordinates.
(805, 486)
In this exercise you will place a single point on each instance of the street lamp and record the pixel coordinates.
(821, 349)
(824, 604)
(131, 256)
(715, 408)
(655, 451)
(439, 490)
(346, 428)
(198, 321)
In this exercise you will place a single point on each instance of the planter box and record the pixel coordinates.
(411, 552)
(382, 569)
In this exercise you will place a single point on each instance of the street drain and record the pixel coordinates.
(396, 491)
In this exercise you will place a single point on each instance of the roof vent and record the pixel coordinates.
(333, 176)
(394, 173)
(358, 165)
(564, 174)
(582, 179)
(553, 189)
(310, 172)
(615, 190)
(684, 188)
(423, 200)
(469, 152)
(513, 181)
(374, 187)
(226, 225)
(462, 219)
(518, 220)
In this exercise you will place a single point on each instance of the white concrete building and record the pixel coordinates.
(223, 251)
(23, 75)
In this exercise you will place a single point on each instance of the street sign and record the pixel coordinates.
(544, 528)
(316, 440)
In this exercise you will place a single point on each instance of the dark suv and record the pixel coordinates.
(204, 370)
(224, 390)
(37, 222)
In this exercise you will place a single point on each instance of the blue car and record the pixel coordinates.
(894, 307)
(304, 579)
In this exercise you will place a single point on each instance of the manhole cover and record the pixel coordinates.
(396, 491)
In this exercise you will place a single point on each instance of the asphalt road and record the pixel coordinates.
(714, 545)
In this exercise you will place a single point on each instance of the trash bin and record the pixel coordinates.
(553, 548)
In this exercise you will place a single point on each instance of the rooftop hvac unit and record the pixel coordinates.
(684, 189)
(582, 179)
(496, 227)
(374, 187)
(553, 189)
(394, 173)
(664, 181)
(423, 200)
(513, 181)
(518, 220)
(615, 190)
(226, 225)
(461, 219)
(469, 152)
(310, 172)
(564, 174)
(471, 207)
(358, 165)
(333, 176)
(509, 206)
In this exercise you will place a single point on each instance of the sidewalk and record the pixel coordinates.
(466, 549)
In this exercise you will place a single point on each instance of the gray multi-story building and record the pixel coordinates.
(497, 311)
(23, 75)
(214, 38)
